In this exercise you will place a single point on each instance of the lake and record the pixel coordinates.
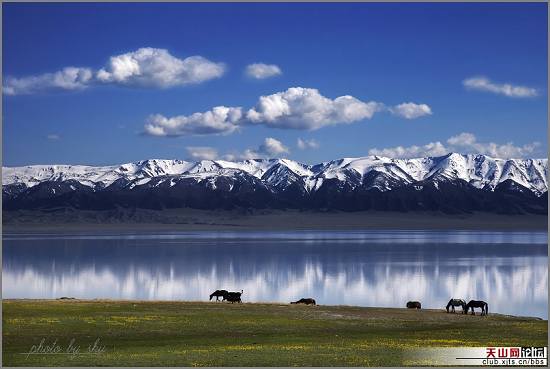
(509, 270)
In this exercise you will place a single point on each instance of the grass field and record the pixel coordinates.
(143, 333)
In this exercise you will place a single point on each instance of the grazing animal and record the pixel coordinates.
(308, 301)
(233, 297)
(414, 305)
(456, 302)
(218, 293)
(477, 304)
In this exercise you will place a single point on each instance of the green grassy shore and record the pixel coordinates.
(161, 333)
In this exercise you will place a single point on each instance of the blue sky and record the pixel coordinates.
(422, 79)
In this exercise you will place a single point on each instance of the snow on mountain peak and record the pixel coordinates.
(480, 171)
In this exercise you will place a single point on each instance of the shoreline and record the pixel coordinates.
(199, 220)
(256, 303)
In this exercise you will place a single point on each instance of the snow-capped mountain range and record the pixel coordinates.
(480, 171)
(273, 179)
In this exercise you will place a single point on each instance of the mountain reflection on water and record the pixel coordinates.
(507, 269)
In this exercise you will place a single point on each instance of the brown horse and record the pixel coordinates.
(456, 302)
(478, 304)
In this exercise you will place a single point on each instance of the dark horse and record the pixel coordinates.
(478, 304)
(414, 305)
(218, 293)
(308, 301)
(233, 297)
(456, 302)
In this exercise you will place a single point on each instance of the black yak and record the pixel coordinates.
(218, 293)
(308, 301)
(233, 297)
(414, 305)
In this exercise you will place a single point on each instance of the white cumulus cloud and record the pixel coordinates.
(150, 67)
(145, 67)
(53, 137)
(304, 144)
(296, 108)
(463, 139)
(262, 71)
(465, 143)
(202, 152)
(69, 78)
(306, 108)
(430, 149)
(411, 110)
(270, 148)
(219, 120)
(506, 89)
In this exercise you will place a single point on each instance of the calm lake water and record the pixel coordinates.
(509, 270)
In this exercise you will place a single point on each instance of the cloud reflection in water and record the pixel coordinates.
(367, 271)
